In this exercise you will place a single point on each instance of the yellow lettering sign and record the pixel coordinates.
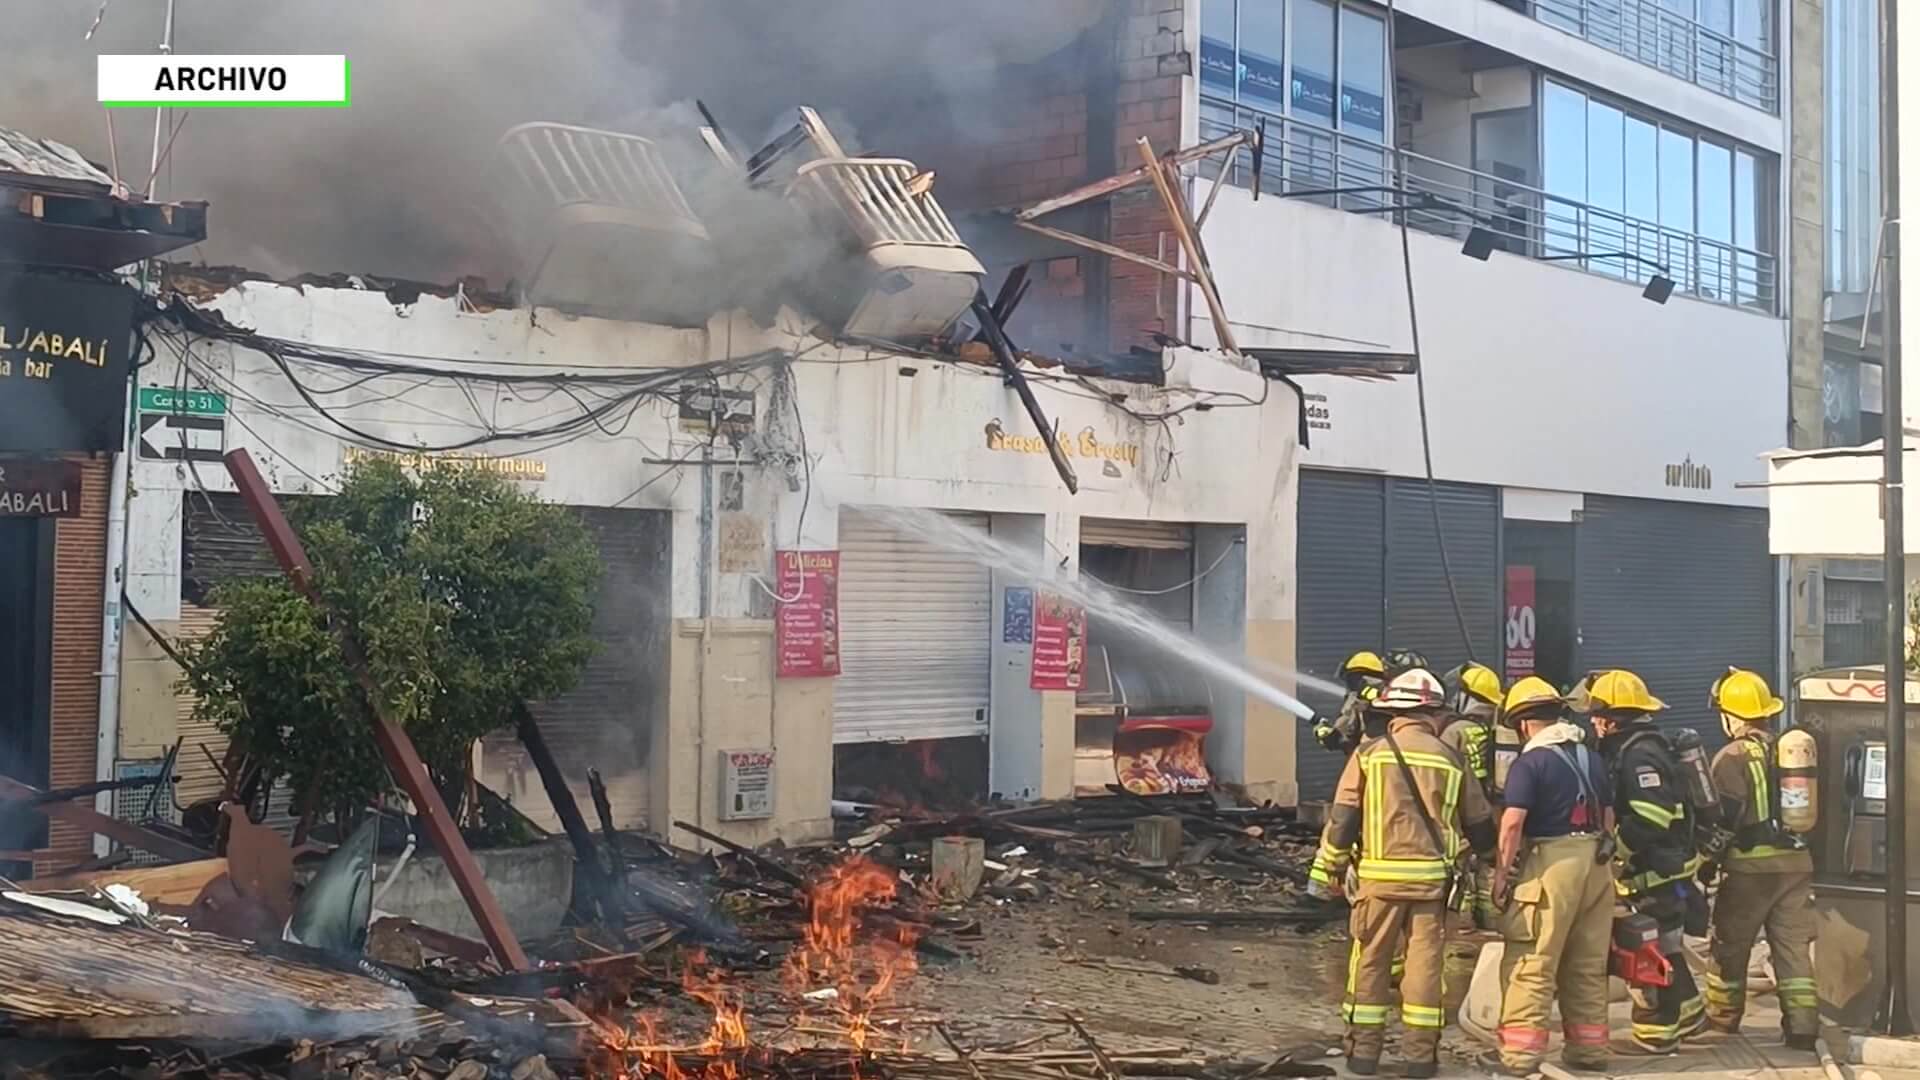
(1084, 445)
(511, 468)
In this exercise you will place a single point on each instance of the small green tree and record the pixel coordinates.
(466, 594)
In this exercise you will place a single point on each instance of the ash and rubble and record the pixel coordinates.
(857, 957)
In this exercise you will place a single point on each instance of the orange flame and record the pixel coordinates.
(861, 970)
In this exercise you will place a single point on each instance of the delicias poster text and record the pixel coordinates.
(807, 618)
(1059, 643)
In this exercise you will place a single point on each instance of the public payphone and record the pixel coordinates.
(1865, 842)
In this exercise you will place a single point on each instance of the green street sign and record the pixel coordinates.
(154, 399)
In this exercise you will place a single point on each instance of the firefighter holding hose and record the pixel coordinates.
(1403, 804)
(1656, 803)
(1768, 879)
(1364, 673)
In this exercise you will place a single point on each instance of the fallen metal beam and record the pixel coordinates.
(395, 746)
(1010, 366)
(85, 817)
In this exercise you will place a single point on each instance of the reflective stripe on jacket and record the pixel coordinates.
(1741, 775)
(1374, 822)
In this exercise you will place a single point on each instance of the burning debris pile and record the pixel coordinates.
(95, 984)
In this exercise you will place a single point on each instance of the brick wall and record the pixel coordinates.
(1052, 126)
(1150, 56)
(79, 568)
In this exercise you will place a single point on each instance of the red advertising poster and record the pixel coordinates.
(806, 621)
(1059, 643)
(1521, 622)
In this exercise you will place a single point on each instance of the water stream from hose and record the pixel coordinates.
(948, 534)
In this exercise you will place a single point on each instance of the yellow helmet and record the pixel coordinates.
(1364, 662)
(1619, 690)
(1480, 681)
(1529, 693)
(1745, 695)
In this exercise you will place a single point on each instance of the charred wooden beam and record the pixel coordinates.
(395, 745)
(567, 808)
(82, 816)
(1010, 366)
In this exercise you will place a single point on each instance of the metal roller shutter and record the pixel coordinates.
(1154, 535)
(1420, 612)
(202, 742)
(1342, 518)
(1674, 592)
(915, 636)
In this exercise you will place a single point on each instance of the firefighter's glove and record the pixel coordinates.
(1709, 872)
(1324, 891)
(1326, 734)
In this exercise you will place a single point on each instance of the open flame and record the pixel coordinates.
(861, 971)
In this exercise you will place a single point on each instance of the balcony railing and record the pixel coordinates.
(1448, 200)
(549, 167)
(1659, 37)
(880, 197)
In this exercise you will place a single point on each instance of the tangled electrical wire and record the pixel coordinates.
(602, 401)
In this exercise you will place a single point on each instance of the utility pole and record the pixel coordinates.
(1897, 1020)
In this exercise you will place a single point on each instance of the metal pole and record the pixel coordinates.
(160, 115)
(1893, 427)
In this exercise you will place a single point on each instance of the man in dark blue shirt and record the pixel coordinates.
(1558, 919)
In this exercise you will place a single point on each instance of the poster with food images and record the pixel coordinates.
(1059, 643)
(807, 617)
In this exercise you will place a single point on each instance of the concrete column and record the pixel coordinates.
(1220, 621)
(1015, 734)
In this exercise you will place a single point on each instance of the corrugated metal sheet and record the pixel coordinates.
(199, 738)
(1342, 603)
(1675, 592)
(220, 543)
(1156, 535)
(606, 721)
(79, 574)
(25, 155)
(1420, 612)
(915, 636)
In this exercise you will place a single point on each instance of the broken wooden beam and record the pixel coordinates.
(758, 861)
(173, 885)
(395, 745)
(567, 809)
(1010, 366)
(82, 816)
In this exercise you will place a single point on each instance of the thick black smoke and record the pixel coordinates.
(397, 185)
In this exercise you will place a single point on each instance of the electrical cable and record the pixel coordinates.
(1419, 377)
(1187, 584)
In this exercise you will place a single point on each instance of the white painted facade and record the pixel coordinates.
(1537, 376)
(880, 428)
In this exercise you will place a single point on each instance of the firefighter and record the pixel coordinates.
(1403, 805)
(1363, 673)
(1554, 876)
(1654, 827)
(1473, 698)
(1768, 880)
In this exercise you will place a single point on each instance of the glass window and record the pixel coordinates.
(1217, 64)
(1563, 160)
(1606, 182)
(1717, 16)
(1642, 196)
(1716, 192)
(1753, 24)
(1263, 27)
(1676, 181)
(1746, 201)
(1363, 88)
(1312, 89)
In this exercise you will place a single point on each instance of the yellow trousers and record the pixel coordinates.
(1557, 930)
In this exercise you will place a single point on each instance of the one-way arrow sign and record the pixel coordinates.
(186, 438)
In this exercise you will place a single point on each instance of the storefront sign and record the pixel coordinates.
(806, 620)
(39, 488)
(64, 349)
(1522, 623)
(1059, 643)
(1688, 475)
(1084, 445)
(416, 461)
